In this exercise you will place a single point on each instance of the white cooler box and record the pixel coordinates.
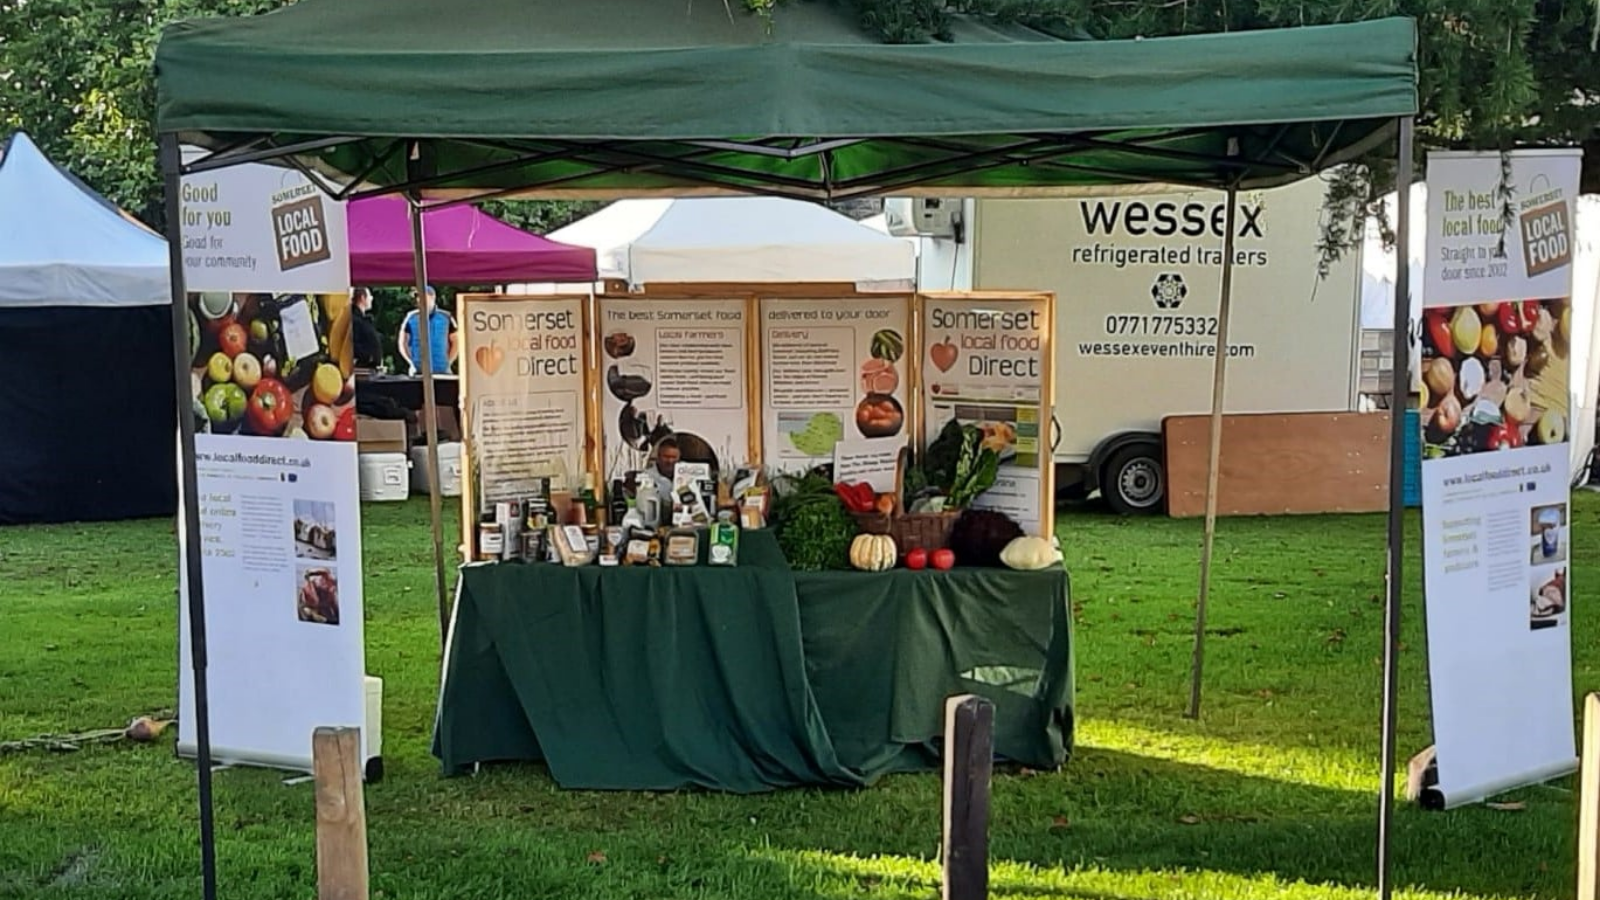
(384, 477)
(449, 464)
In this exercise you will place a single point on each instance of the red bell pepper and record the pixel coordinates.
(270, 408)
(858, 497)
(847, 496)
(867, 496)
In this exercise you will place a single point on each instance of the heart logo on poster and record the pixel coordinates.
(489, 358)
(944, 355)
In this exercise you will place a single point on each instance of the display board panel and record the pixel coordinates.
(1496, 349)
(986, 360)
(674, 368)
(525, 372)
(833, 369)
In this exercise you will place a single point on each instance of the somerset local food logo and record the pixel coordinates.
(1546, 225)
(299, 227)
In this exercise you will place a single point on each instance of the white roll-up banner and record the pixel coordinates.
(267, 267)
(1497, 334)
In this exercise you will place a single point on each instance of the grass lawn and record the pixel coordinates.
(1273, 793)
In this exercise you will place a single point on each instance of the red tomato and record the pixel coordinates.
(917, 558)
(232, 340)
(1517, 317)
(943, 559)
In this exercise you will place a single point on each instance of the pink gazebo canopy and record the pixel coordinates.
(464, 246)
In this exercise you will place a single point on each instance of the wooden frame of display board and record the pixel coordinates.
(483, 314)
(1005, 347)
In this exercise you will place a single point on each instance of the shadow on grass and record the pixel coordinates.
(1115, 825)
(1111, 826)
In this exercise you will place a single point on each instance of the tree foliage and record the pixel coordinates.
(76, 73)
(540, 216)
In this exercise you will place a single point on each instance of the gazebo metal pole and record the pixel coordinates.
(189, 509)
(1397, 460)
(1219, 374)
(430, 413)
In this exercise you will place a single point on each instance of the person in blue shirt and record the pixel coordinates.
(441, 337)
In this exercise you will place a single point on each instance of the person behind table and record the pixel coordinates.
(441, 336)
(666, 463)
(365, 346)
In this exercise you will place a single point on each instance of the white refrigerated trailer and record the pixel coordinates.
(1137, 278)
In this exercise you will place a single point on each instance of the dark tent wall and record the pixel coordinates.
(88, 429)
(87, 421)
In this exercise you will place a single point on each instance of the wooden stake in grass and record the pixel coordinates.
(341, 814)
(1589, 803)
(968, 761)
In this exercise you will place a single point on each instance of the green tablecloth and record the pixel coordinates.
(748, 678)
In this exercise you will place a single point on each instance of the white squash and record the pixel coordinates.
(873, 552)
(1030, 553)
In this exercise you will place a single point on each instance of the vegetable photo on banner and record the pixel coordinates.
(959, 466)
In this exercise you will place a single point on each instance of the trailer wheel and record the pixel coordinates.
(1134, 480)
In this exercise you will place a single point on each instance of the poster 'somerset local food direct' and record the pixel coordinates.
(987, 365)
(524, 366)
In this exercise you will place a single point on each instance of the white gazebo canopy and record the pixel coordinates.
(61, 244)
(740, 240)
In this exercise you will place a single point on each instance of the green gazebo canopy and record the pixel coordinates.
(638, 97)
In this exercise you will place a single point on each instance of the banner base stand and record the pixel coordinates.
(224, 759)
(1422, 780)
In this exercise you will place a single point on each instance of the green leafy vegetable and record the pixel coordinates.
(944, 452)
(812, 526)
(978, 476)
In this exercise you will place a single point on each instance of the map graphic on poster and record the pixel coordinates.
(1495, 367)
(273, 401)
(673, 368)
(525, 382)
(984, 364)
(834, 370)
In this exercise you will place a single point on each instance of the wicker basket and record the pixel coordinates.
(872, 522)
(929, 531)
